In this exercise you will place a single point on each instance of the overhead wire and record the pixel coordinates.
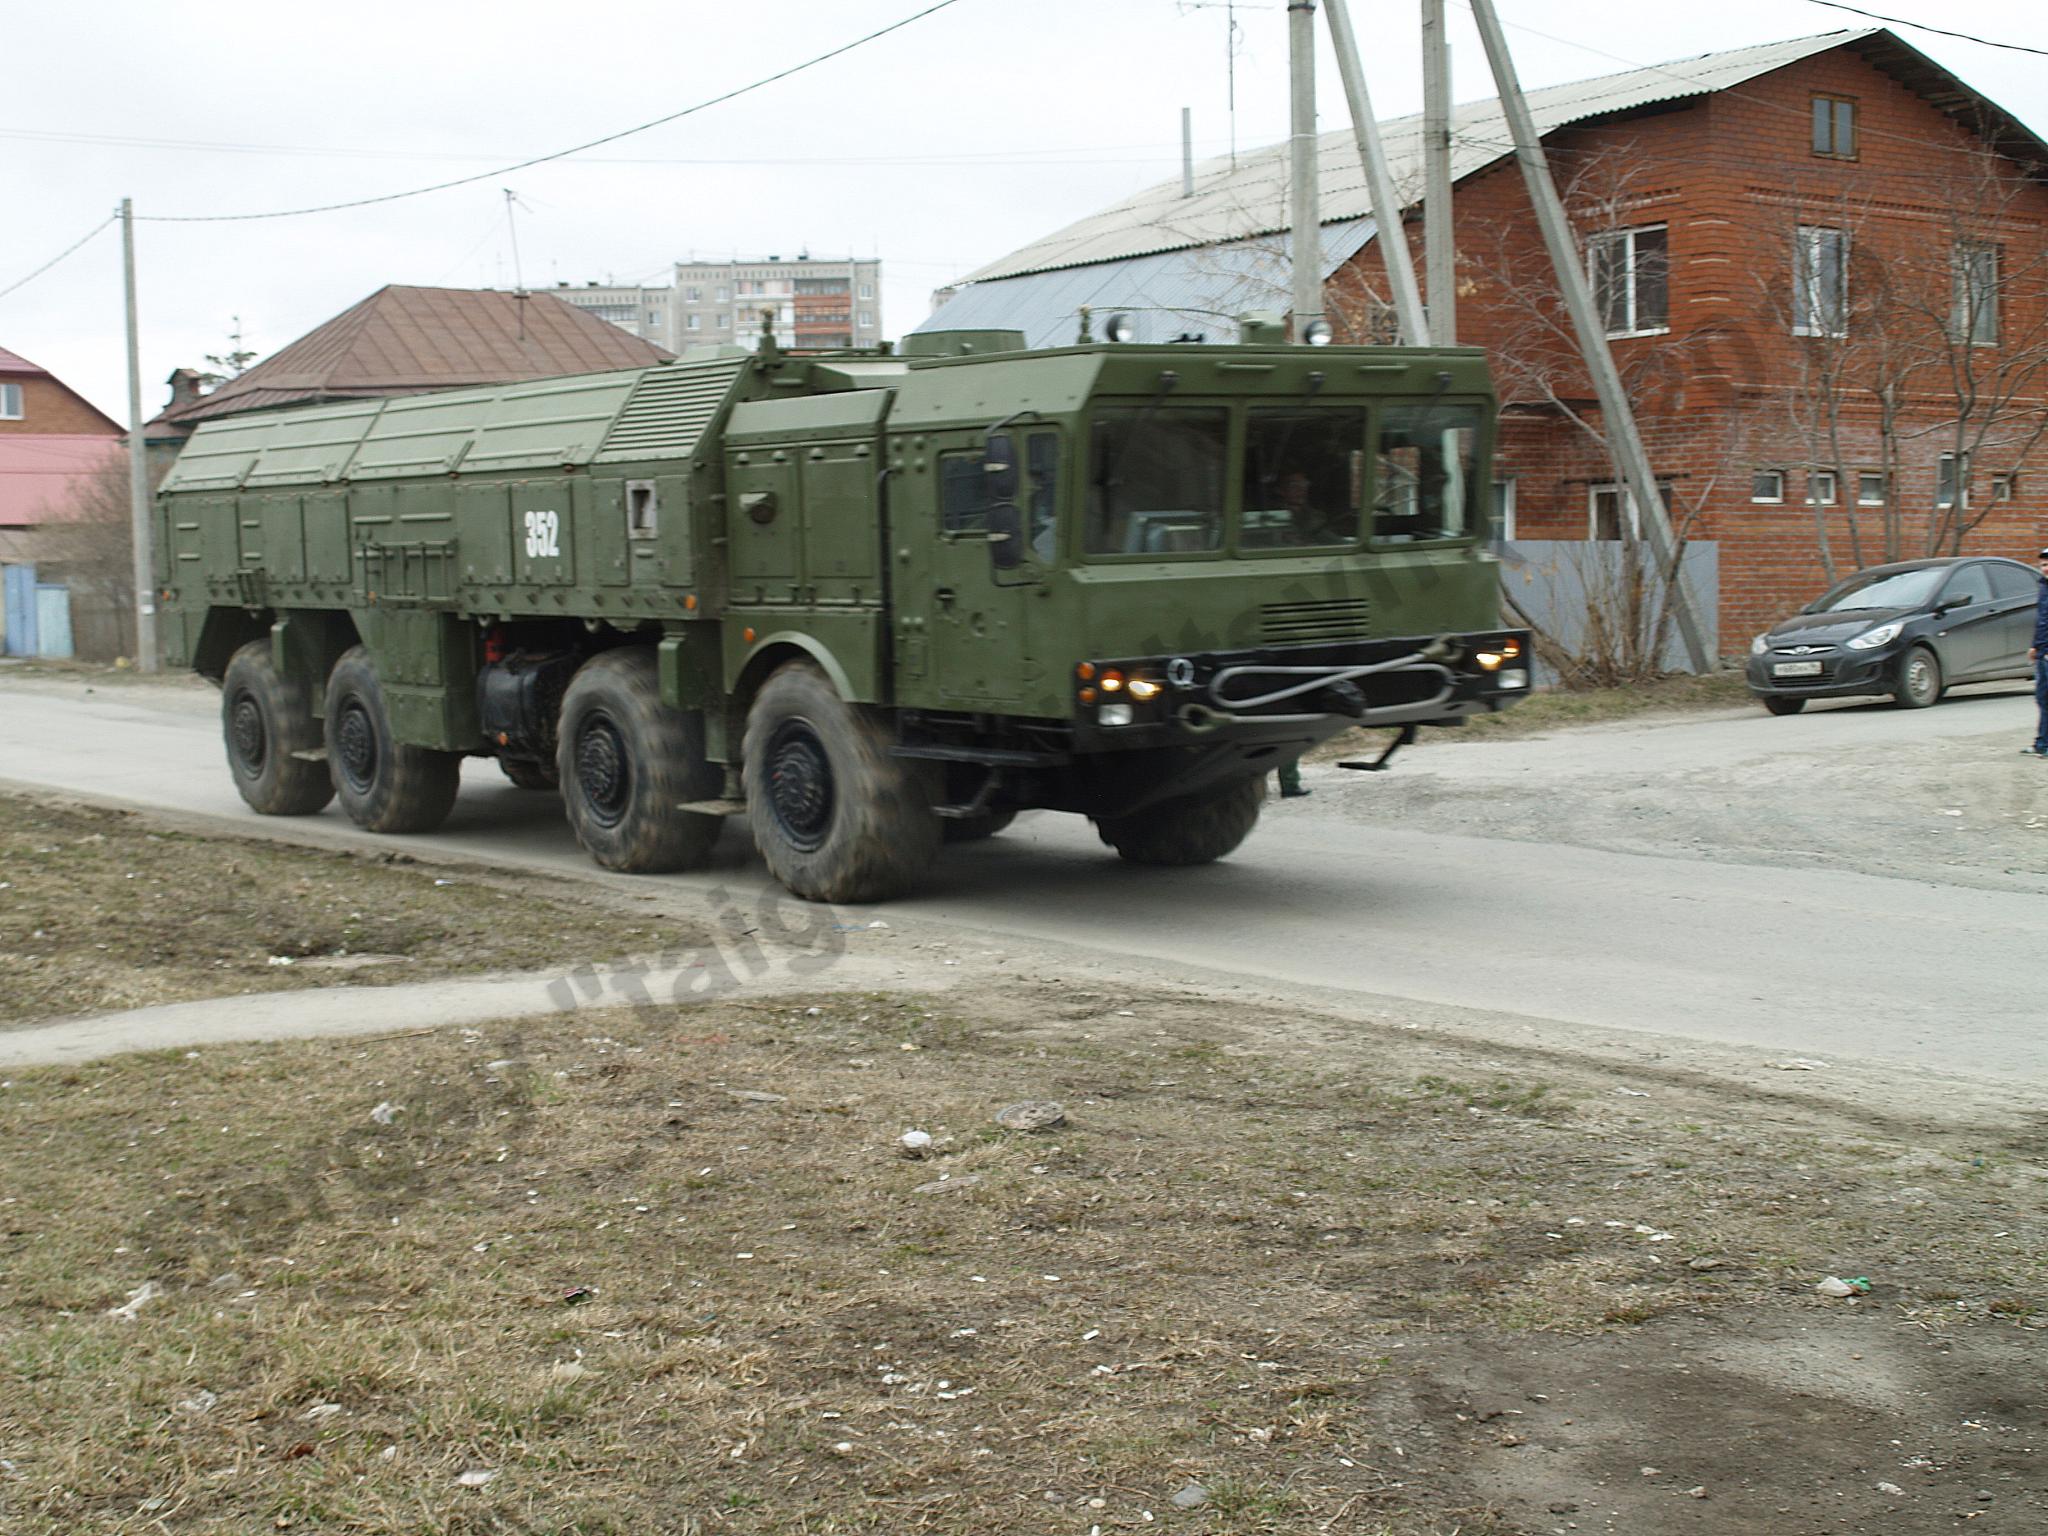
(23, 282)
(1921, 26)
(560, 154)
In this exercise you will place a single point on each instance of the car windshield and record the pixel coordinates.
(1883, 589)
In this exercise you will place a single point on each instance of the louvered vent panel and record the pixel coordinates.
(669, 412)
(1336, 618)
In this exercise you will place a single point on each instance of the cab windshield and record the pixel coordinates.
(1883, 589)
(1304, 477)
(1155, 480)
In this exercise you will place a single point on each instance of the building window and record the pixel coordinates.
(720, 295)
(692, 295)
(1630, 271)
(1609, 504)
(723, 322)
(10, 402)
(1973, 283)
(1502, 530)
(691, 322)
(1834, 127)
(1767, 485)
(1870, 488)
(867, 290)
(2004, 487)
(1820, 488)
(867, 319)
(1820, 282)
(1951, 488)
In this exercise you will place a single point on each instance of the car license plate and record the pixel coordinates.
(1796, 669)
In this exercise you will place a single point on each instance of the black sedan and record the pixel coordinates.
(1909, 630)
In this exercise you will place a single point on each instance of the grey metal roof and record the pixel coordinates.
(1251, 200)
(1167, 294)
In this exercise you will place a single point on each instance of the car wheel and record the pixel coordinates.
(385, 785)
(270, 730)
(627, 763)
(836, 814)
(1920, 681)
(1784, 706)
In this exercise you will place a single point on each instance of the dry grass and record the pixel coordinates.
(597, 1260)
(104, 909)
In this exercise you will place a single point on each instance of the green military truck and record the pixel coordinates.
(870, 602)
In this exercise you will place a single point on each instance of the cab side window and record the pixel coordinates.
(963, 493)
(1042, 469)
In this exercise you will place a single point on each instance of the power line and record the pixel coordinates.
(560, 154)
(1921, 26)
(39, 271)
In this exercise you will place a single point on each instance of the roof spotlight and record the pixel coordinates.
(1317, 333)
(1120, 328)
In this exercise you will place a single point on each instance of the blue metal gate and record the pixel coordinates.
(19, 592)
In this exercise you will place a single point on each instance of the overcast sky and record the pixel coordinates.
(937, 148)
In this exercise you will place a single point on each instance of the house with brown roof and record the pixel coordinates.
(410, 341)
(59, 455)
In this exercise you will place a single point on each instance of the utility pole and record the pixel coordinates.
(1187, 151)
(1386, 202)
(1624, 442)
(1438, 255)
(138, 467)
(1302, 212)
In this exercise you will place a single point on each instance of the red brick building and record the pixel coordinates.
(1823, 264)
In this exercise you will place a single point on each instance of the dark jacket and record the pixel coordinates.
(2041, 620)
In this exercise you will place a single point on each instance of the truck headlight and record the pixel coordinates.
(1113, 714)
(1514, 677)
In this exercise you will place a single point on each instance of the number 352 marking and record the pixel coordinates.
(543, 535)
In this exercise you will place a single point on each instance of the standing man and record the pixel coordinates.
(2039, 656)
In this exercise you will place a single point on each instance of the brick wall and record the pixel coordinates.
(1723, 392)
(50, 407)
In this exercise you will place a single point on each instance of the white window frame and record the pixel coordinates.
(1504, 505)
(1767, 501)
(1971, 312)
(1627, 505)
(1814, 477)
(11, 402)
(1630, 268)
(2005, 487)
(1958, 485)
(1806, 271)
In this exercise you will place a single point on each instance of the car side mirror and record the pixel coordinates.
(999, 464)
(1956, 600)
(1005, 525)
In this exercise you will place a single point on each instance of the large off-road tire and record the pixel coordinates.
(266, 718)
(627, 761)
(972, 829)
(1196, 829)
(1783, 706)
(835, 815)
(384, 784)
(1919, 683)
(526, 774)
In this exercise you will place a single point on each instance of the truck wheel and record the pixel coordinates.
(627, 761)
(972, 829)
(836, 817)
(384, 784)
(266, 717)
(526, 774)
(1194, 830)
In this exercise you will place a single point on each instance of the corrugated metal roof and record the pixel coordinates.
(13, 362)
(1167, 294)
(408, 340)
(1251, 200)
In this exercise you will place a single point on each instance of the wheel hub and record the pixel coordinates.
(603, 776)
(252, 744)
(800, 791)
(355, 742)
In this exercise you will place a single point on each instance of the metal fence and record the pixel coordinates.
(1562, 583)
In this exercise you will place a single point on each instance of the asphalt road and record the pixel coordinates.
(1817, 962)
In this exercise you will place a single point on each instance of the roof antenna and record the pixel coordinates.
(518, 277)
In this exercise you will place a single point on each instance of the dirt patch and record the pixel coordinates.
(105, 909)
(669, 1269)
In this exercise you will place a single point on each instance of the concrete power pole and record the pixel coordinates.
(1624, 442)
(1438, 253)
(138, 465)
(1386, 201)
(1302, 212)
